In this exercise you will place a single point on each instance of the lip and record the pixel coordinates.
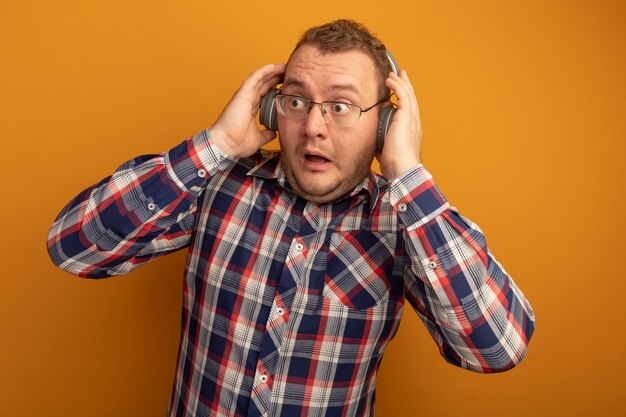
(315, 161)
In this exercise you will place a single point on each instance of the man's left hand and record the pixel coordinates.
(403, 142)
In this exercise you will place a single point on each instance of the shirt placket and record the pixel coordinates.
(261, 398)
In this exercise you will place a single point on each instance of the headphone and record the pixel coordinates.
(268, 115)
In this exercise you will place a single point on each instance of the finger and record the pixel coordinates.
(398, 86)
(402, 87)
(411, 90)
(271, 79)
(405, 83)
(265, 77)
(258, 83)
(277, 73)
(267, 135)
(405, 77)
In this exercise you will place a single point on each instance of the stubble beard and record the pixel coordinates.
(334, 190)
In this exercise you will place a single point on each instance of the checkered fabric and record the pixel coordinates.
(289, 305)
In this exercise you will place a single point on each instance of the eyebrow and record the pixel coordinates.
(336, 87)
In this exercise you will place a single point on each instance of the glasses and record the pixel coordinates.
(334, 112)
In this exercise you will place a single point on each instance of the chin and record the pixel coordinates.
(322, 187)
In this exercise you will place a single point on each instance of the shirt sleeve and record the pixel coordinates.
(473, 309)
(144, 210)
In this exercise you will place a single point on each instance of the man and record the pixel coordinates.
(299, 262)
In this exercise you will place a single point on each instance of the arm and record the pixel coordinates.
(474, 311)
(476, 314)
(147, 207)
(144, 210)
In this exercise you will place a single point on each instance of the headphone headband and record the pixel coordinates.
(394, 64)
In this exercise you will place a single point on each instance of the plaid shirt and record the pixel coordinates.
(289, 305)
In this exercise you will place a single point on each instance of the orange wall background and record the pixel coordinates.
(523, 107)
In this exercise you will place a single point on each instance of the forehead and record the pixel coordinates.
(319, 72)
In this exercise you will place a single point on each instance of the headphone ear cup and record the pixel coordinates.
(386, 114)
(268, 116)
(384, 120)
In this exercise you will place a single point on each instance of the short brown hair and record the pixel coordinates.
(344, 35)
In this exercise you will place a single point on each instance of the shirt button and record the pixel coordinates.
(432, 264)
(151, 206)
(280, 311)
(299, 247)
(263, 378)
(401, 207)
(202, 173)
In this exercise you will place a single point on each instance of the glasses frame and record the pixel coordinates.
(322, 104)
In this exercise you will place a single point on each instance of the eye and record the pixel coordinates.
(296, 103)
(340, 109)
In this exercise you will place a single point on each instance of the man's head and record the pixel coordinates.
(338, 62)
(344, 35)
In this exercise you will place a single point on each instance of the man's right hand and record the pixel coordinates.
(235, 132)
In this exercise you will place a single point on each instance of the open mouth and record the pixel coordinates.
(317, 159)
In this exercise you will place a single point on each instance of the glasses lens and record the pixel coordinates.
(340, 114)
(334, 113)
(293, 107)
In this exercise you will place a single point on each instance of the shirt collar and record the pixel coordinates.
(270, 169)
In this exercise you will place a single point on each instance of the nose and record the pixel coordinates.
(315, 124)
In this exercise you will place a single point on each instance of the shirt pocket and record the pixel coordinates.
(359, 267)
